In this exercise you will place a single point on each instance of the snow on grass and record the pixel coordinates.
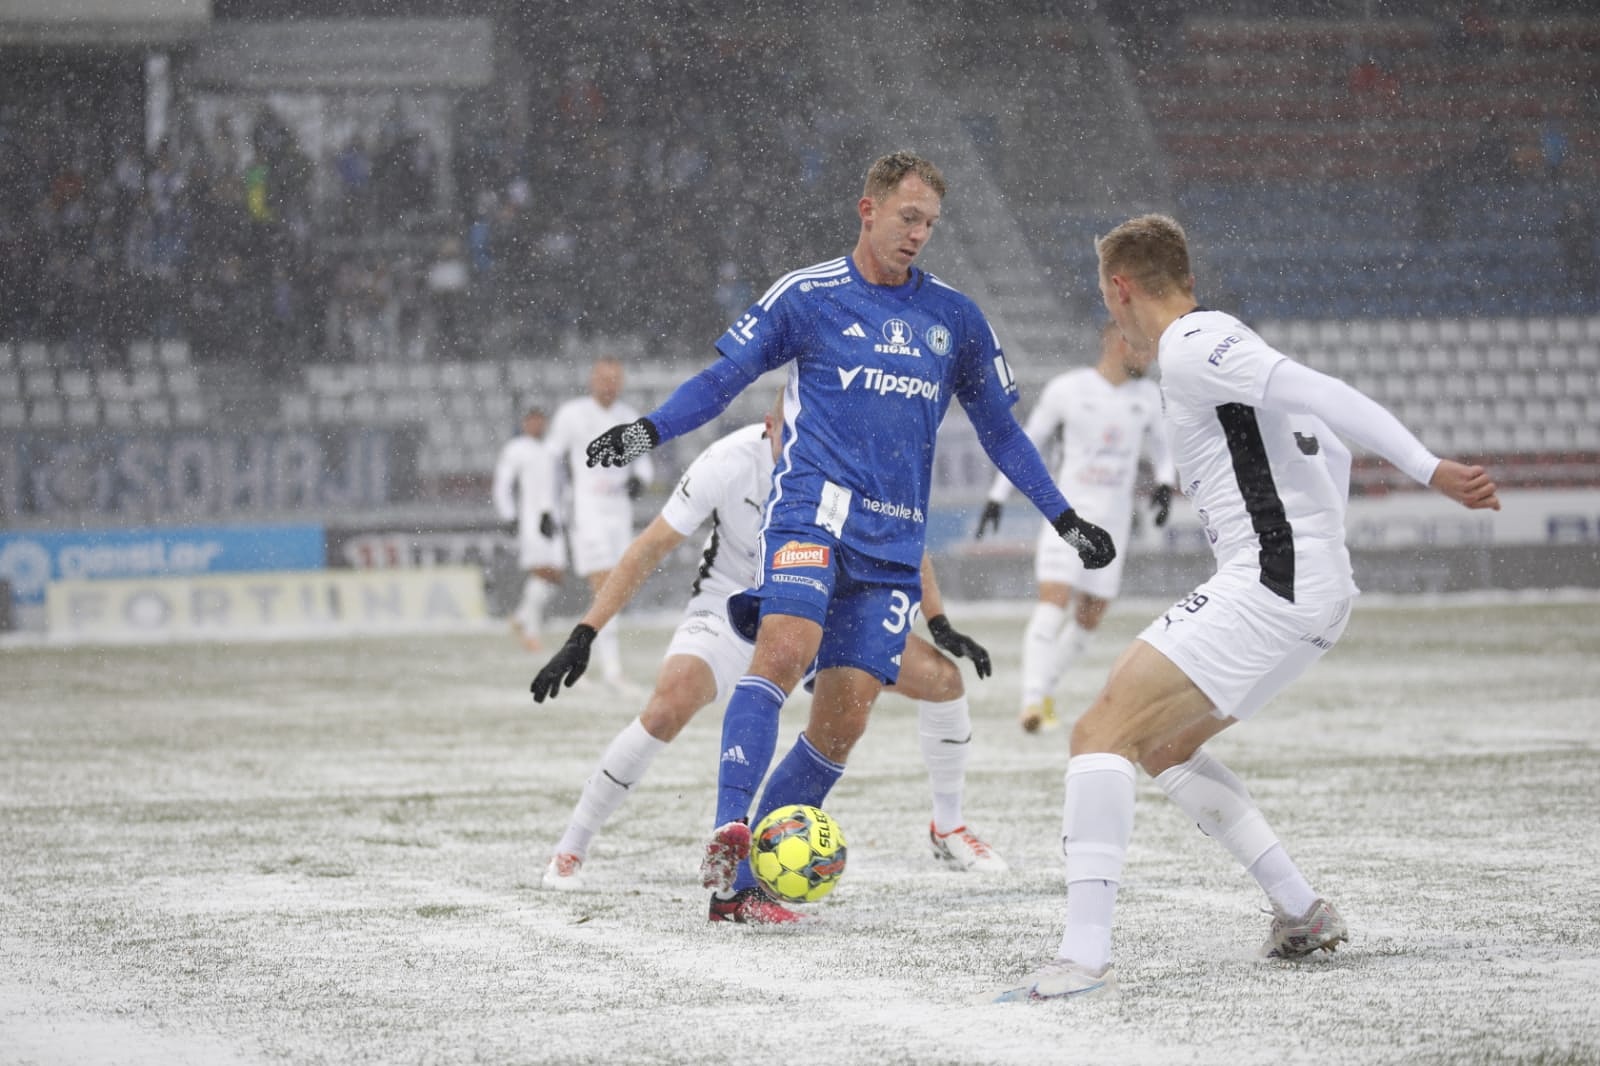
(328, 852)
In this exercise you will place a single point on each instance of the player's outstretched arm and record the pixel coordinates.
(1470, 486)
(621, 585)
(691, 405)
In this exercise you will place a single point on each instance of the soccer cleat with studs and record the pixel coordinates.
(1060, 979)
(564, 874)
(1319, 929)
(751, 906)
(728, 847)
(965, 850)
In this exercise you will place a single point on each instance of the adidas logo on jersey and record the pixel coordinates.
(735, 754)
(854, 330)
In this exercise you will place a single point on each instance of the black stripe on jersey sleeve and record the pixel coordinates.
(1253, 471)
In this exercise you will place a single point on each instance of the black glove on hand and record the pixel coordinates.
(635, 488)
(1161, 496)
(566, 666)
(990, 519)
(621, 445)
(547, 525)
(1092, 543)
(959, 644)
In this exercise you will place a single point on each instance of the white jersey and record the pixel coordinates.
(1104, 429)
(527, 487)
(727, 483)
(599, 493)
(526, 482)
(1268, 486)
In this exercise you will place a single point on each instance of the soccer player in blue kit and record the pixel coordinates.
(875, 348)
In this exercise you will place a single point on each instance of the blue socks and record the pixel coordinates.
(749, 737)
(804, 776)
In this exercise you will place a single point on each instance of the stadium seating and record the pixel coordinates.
(1385, 167)
(47, 388)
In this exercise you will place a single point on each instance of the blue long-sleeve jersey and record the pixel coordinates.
(872, 370)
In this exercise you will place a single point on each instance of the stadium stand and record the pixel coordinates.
(1401, 199)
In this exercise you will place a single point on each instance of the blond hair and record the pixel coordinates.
(1151, 250)
(887, 172)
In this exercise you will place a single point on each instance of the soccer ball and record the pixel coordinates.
(797, 852)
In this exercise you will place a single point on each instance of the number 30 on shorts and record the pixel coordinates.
(901, 611)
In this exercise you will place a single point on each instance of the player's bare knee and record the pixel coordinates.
(943, 684)
(665, 715)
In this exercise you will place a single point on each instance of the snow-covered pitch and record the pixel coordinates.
(329, 852)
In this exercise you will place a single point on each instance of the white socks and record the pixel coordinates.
(945, 731)
(1050, 643)
(1073, 640)
(1096, 824)
(622, 765)
(1039, 673)
(1211, 794)
(530, 609)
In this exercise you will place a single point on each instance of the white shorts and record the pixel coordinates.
(706, 634)
(598, 546)
(1241, 644)
(535, 551)
(1057, 563)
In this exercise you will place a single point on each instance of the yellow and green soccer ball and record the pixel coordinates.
(797, 852)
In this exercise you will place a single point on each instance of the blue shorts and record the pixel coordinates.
(864, 605)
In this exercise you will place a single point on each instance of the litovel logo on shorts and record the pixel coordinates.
(799, 553)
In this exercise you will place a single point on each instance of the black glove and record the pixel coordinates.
(621, 445)
(959, 644)
(547, 525)
(566, 666)
(990, 519)
(635, 488)
(1161, 496)
(1092, 543)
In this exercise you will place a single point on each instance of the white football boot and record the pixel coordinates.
(964, 850)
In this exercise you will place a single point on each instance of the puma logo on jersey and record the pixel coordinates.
(854, 330)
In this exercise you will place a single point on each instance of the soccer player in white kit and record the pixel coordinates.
(526, 491)
(602, 499)
(728, 485)
(1253, 434)
(1107, 416)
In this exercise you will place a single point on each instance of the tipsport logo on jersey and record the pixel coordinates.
(875, 380)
